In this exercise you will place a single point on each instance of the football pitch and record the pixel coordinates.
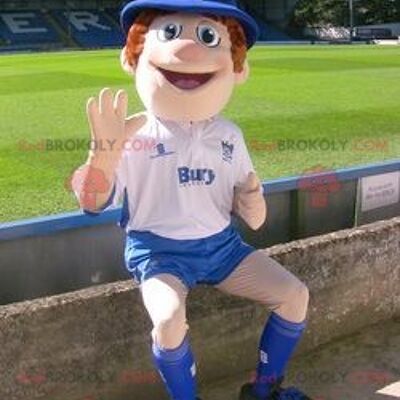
(303, 108)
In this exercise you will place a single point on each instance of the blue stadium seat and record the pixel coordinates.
(26, 27)
(114, 14)
(89, 28)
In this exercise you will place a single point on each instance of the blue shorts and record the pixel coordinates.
(200, 261)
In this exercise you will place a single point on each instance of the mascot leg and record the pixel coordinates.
(262, 279)
(164, 297)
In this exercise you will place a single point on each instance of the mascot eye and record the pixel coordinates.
(208, 35)
(169, 31)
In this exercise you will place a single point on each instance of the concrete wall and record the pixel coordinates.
(94, 344)
(55, 263)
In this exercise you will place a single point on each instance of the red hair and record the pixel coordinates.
(137, 32)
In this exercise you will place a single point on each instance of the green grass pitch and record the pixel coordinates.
(345, 100)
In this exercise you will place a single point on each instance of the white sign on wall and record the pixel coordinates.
(380, 191)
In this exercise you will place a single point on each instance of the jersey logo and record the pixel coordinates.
(264, 357)
(227, 151)
(161, 152)
(199, 176)
(193, 369)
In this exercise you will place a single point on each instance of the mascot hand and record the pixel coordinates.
(94, 181)
(249, 203)
(107, 123)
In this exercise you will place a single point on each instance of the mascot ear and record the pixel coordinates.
(129, 69)
(241, 77)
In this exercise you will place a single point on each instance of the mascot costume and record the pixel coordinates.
(179, 195)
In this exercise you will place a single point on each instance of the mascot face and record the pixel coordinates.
(186, 71)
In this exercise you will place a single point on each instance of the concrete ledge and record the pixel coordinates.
(94, 344)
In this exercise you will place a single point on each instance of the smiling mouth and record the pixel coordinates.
(186, 81)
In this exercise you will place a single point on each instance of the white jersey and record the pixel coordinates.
(178, 179)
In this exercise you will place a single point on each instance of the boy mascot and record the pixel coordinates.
(179, 193)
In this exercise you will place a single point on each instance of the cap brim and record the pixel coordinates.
(133, 9)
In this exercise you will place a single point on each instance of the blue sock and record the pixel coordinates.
(277, 345)
(177, 370)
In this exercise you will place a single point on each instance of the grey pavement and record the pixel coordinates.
(352, 368)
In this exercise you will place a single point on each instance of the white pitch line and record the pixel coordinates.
(391, 390)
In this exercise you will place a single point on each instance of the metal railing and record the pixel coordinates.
(72, 220)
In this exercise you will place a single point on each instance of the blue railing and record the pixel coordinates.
(341, 175)
(75, 220)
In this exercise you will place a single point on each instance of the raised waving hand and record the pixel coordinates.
(94, 181)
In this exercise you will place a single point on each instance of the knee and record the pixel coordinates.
(303, 294)
(170, 332)
(294, 307)
(298, 303)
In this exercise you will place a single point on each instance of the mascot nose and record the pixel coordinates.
(189, 50)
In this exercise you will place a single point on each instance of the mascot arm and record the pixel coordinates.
(249, 203)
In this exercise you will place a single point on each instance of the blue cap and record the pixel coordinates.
(226, 8)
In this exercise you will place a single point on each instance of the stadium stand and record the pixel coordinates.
(114, 14)
(27, 29)
(90, 28)
(50, 24)
(270, 33)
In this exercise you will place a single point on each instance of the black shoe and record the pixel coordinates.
(246, 392)
(277, 392)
